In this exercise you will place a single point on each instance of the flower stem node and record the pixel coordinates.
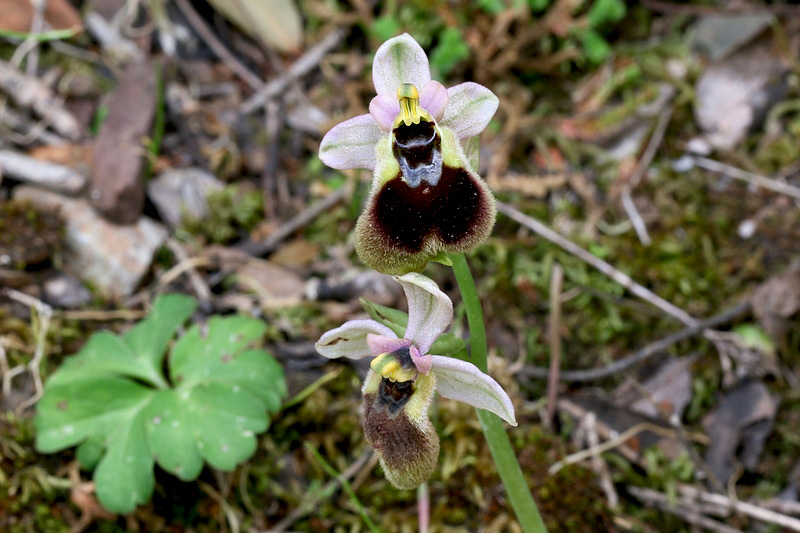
(426, 199)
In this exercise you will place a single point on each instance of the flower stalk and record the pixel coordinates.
(499, 444)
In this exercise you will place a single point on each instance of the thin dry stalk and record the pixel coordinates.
(599, 466)
(688, 513)
(749, 177)
(299, 68)
(754, 511)
(554, 340)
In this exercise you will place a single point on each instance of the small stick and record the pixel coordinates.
(45, 174)
(28, 91)
(750, 177)
(599, 466)
(665, 503)
(293, 224)
(754, 511)
(645, 353)
(554, 340)
(622, 438)
(616, 275)
(299, 68)
(217, 47)
(313, 500)
(641, 170)
(189, 265)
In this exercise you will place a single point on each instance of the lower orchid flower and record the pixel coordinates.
(403, 377)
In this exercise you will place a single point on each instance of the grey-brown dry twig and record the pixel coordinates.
(46, 174)
(641, 169)
(28, 91)
(604, 267)
(293, 224)
(554, 340)
(299, 68)
(217, 47)
(645, 353)
(759, 513)
(309, 504)
(749, 177)
(689, 514)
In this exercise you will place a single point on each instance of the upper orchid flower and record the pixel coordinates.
(403, 376)
(425, 200)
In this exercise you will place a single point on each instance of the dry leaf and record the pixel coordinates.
(17, 15)
(275, 23)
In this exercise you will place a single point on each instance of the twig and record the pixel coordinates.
(665, 503)
(554, 340)
(293, 224)
(645, 353)
(102, 316)
(639, 172)
(45, 174)
(599, 466)
(754, 511)
(299, 68)
(726, 9)
(217, 47)
(622, 438)
(616, 275)
(750, 177)
(314, 499)
(40, 321)
(230, 514)
(191, 264)
(28, 91)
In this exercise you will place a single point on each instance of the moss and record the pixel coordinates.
(28, 236)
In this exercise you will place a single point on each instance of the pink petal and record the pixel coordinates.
(383, 109)
(351, 144)
(464, 382)
(350, 339)
(433, 98)
(422, 362)
(469, 109)
(430, 311)
(399, 60)
(379, 344)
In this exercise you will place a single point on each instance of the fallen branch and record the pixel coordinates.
(749, 177)
(53, 176)
(616, 275)
(28, 91)
(299, 68)
(645, 353)
(303, 218)
(689, 514)
(759, 513)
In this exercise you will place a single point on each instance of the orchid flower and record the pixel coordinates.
(425, 200)
(403, 377)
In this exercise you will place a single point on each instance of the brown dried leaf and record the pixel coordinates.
(17, 15)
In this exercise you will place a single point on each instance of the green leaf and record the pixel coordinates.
(196, 355)
(595, 47)
(450, 51)
(124, 477)
(395, 320)
(385, 27)
(113, 401)
(447, 344)
(603, 11)
(150, 337)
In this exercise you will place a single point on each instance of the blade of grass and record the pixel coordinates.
(345, 485)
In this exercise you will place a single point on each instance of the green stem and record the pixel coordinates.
(500, 446)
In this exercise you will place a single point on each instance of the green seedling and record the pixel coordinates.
(126, 410)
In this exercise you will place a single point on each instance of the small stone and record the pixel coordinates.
(117, 185)
(112, 258)
(747, 228)
(66, 291)
(184, 192)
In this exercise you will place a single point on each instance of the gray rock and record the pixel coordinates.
(176, 193)
(112, 258)
(66, 291)
(718, 36)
